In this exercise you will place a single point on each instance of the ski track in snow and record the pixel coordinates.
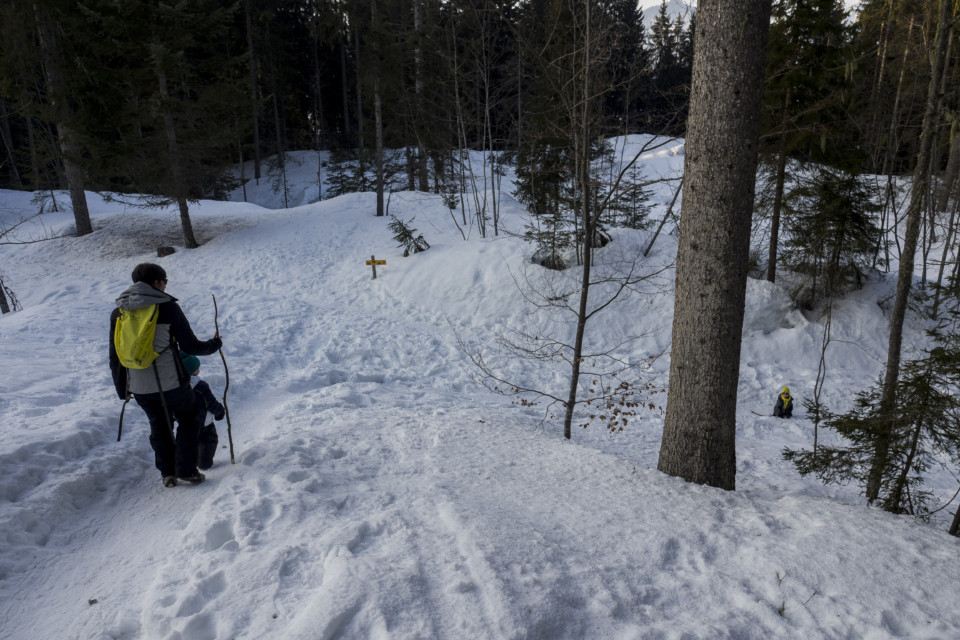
(378, 492)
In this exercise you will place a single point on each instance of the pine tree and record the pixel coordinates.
(169, 101)
(630, 67)
(833, 233)
(670, 81)
(42, 43)
(805, 117)
(922, 428)
(543, 185)
(407, 236)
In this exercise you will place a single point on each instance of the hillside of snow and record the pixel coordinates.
(380, 490)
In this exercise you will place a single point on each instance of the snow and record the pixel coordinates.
(379, 491)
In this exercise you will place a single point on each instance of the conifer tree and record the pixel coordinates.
(922, 430)
(407, 236)
(42, 44)
(630, 67)
(670, 79)
(805, 116)
(173, 94)
(833, 233)
(919, 194)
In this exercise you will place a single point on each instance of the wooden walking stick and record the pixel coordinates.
(226, 371)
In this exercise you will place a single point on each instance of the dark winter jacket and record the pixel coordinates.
(172, 327)
(215, 410)
(784, 406)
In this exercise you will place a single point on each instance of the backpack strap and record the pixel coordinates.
(163, 401)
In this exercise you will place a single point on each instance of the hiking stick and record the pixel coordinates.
(226, 409)
(120, 430)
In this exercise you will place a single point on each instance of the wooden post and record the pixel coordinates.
(373, 262)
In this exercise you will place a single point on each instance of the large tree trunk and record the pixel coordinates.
(173, 150)
(344, 87)
(7, 137)
(921, 182)
(419, 111)
(4, 305)
(953, 168)
(361, 144)
(377, 116)
(50, 44)
(254, 105)
(189, 240)
(34, 157)
(78, 197)
(699, 436)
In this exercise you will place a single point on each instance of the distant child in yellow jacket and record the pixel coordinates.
(784, 406)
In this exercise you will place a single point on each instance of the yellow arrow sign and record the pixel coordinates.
(372, 262)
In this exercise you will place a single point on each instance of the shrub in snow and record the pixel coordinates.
(407, 237)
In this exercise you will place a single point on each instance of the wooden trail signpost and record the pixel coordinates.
(373, 262)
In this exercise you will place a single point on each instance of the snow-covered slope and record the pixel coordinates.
(379, 491)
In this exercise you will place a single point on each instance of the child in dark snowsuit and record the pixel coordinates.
(212, 410)
(784, 406)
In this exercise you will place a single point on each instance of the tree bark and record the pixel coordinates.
(50, 44)
(255, 108)
(699, 436)
(589, 223)
(360, 141)
(4, 305)
(344, 86)
(419, 110)
(377, 116)
(918, 194)
(953, 168)
(778, 192)
(947, 246)
(176, 173)
(888, 161)
(189, 240)
(7, 138)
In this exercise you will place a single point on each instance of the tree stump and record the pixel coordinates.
(165, 251)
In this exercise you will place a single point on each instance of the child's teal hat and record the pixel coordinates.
(190, 363)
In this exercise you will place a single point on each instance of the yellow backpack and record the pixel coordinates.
(133, 337)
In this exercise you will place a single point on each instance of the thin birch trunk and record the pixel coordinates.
(920, 185)
(951, 228)
(778, 192)
(888, 163)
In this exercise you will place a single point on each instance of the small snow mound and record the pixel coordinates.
(769, 308)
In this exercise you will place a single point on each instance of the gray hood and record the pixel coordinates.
(140, 295)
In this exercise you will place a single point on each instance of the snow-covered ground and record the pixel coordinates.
(379, 491)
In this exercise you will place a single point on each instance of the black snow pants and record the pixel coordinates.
(174, 457)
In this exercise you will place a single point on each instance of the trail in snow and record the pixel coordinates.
(379, 492)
